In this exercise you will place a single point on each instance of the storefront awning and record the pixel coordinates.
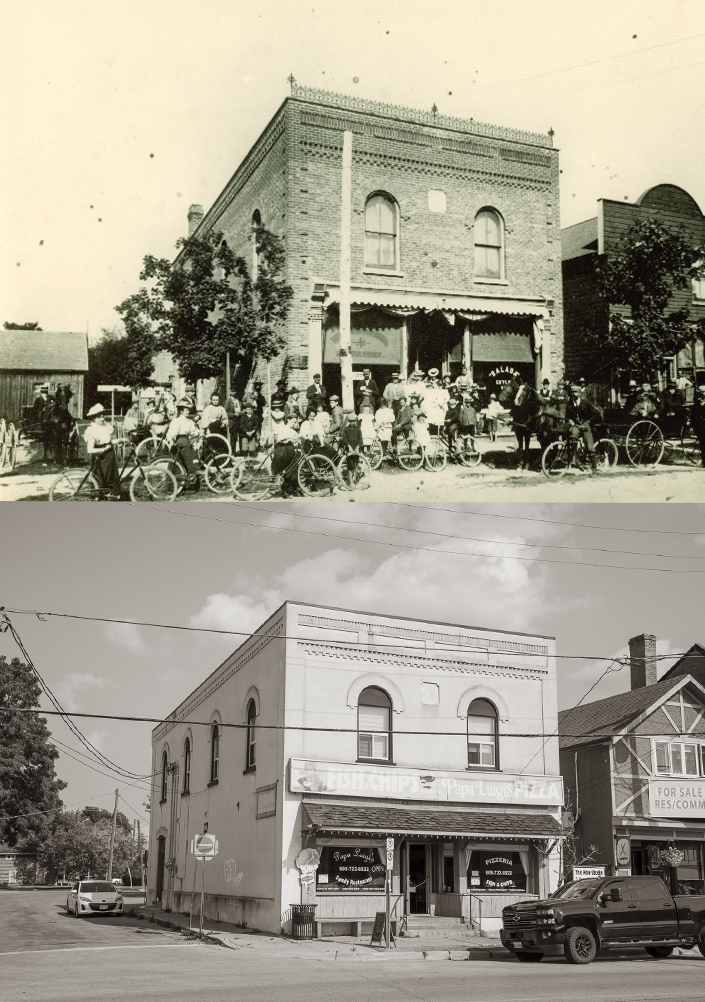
(412, 301)
(366, 819)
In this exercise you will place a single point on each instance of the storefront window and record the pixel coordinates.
(350, 868)
(689, 873)
(491, 870)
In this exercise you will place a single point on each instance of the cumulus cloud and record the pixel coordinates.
(97, 738)
(76, 682)
(125, 635)
(235, 612)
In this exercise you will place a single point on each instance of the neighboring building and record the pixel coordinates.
(316, 733)
(19, 867)
(30, 358)
(634, 770)
(584, 244)
(455, 238)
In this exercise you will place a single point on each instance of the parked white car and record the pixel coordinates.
(94, 897)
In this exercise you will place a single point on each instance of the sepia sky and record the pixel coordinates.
(116, 116)
(228, 566)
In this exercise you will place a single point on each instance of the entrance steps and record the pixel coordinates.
(418, 926)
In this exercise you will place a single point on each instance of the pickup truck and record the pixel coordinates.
(604, 913)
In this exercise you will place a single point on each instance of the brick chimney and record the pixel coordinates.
(642, 660)
(195, 215)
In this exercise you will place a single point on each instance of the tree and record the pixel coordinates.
(205, 304)
(122, 359)
(652, 262)
(77, 846)
(27, 326)
(29, 786)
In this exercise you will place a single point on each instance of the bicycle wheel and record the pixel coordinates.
(316, 475)
(174, 466)
(555, 461)
(645, 444)
(148, 449)
(153, 483)
(689, 450)
(218, 471)
(354, 471)
(607, 453)
(409, 455)
(12, 437)
(3, 443)
(435, 455)
(217, 445)
(375, 455)
(251, 480)
(75, 485)
(467, 451)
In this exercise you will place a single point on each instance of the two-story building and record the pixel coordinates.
(331, 731)
(634, 771)
(455, 238)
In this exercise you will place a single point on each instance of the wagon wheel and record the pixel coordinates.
(645, 444)
(467, 451)
(607, 453)
(555, 461)
(3, 443)
(12, 438)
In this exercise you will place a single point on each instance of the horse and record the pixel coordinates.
(58, 425)
(524, 405)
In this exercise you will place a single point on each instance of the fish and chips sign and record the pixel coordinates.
(354, 779)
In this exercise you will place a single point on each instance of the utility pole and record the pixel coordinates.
(139, 849)
(112, 836)
(346, 378)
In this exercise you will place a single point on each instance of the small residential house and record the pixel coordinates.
(30, 358)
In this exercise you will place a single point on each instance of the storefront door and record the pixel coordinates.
(161, 860)
(418, 883)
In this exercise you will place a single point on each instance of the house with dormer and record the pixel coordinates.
(634, 771)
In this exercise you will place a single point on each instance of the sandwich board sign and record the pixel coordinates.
(204, 846)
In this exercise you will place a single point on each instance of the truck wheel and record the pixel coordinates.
(526, 957)
(701, 943)
(579, 946)
(660, 952)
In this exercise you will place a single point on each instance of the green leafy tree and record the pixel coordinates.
(206, 304)
(651, 263)
(27, 326)
(78, 846)
(29, 786)
(122, 359)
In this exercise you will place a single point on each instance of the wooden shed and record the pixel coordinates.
(30, 358)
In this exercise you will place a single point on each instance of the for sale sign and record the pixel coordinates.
(677, 798)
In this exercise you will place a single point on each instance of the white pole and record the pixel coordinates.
(269, 398)
(345, 213)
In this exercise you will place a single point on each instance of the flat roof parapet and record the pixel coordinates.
(417, 116)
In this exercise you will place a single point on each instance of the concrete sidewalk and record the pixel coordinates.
(331, 947)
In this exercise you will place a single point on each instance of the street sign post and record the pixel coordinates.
(388, 888)
(203, 847)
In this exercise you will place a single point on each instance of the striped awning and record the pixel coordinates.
(430, 301)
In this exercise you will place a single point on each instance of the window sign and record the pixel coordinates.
(497, 869)
(350, 868)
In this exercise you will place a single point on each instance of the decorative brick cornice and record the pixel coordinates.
(400, 113)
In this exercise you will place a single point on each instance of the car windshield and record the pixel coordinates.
(96, 887)
(578, 889)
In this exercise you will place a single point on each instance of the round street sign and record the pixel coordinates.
(204, 846)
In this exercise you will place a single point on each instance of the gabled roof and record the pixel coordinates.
(579, 239)
(595, 722)
(692, 663)
(44, 351)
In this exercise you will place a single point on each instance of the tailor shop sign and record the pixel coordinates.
(414, 784)
(677, 798)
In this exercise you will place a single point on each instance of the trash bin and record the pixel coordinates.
(302, 918)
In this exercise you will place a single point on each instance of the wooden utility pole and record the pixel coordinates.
(139, 849)
(112, 836)
(346, 379)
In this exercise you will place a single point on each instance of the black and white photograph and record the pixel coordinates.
(443, 264)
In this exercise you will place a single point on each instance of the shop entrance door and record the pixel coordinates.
(161, 861)
(418, 885)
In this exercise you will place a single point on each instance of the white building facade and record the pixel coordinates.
(331, 730)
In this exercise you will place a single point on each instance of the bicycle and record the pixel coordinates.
(252, 479)
(571, 453)
(146, 483)
(215, 460)
(440, 450)
(354, 470)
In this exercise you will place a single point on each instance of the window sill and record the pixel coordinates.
(482, 768)
(213, 782)
(490, 281)
(375, 761)
(249, 769)
(163, 800)
(383, 271)
(185, 793)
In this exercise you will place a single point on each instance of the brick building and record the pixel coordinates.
(455, 238)
(585, 243)
(634, 770)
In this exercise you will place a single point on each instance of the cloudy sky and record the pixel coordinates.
(555, 570)
(118, 114)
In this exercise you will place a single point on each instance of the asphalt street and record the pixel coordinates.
(46, 954)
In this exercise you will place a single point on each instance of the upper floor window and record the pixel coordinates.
(678, 758)
(374, 725)
(699, 284)
(187, 765)
(489, 257)
(165, 768)
(251, 719)
(482, 735)
(215, 752)
(256, 224)
(381, 232)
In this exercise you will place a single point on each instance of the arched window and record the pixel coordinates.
(489, 251)
(251, 719)
(256, 224)
(374, 725)
(483, 752)
(381, 233)
(187, 766)
(165, 767)
(215, 752)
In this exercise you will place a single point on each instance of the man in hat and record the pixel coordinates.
(545, 391)
(336, 420)
(41, 403)
(697, 419)
(316, 392)
(181, 432)
(672, 410)
(394, 392)
(581, 414)
(366, 391)
(98, 438)
(404, 423)
(464, 380)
